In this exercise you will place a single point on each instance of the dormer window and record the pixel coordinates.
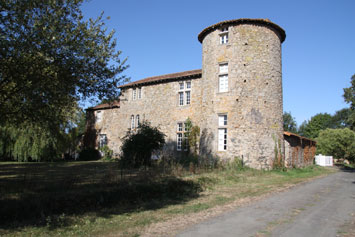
(223, 35)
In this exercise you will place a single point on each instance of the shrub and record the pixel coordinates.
(139, 145)
(106, 153)
(339, 143)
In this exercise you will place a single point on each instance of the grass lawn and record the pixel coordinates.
(91, 199)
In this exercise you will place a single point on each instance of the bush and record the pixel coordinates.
(106, 153)
(89, 154)
(139, 145)
(339, 143)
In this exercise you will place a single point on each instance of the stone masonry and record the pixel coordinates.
(251, 105)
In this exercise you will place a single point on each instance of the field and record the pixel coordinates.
(92, 198)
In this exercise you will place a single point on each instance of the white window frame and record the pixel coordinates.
(134, 93)
(179, 141)
(137, 121)
(184, 93)
(139, 93)
(102, 140)
(182, 140)
(180, 127)
(98, 116)
(223, 77)
(223, 35)
(181, 98)
(222, 142)
(132, 122)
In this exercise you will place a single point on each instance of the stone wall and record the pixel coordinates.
(158, 105)
(254, 100)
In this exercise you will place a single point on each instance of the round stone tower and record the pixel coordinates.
(242, 91)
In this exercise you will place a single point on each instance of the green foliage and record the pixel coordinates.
(339, 143)
(349, 93)
(106, 153)
(193, 134)
(317, 123)
(30, 142)
(89, 154)
(342, 118)
(50, 58)
(289, 122)
(138, 145)
(349, 97)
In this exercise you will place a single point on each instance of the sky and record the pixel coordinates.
(318, 56)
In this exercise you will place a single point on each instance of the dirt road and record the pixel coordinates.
(321, 207)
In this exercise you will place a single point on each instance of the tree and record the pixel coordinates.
(50, 58)
(341, 118)
(340, 143)
(317, 123)
(193, 134)
(138, 146)
(349, 97)
(289, 122)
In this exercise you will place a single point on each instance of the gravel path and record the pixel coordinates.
(318, 208)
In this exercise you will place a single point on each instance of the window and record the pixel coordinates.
(102, 140)
(134, 94)
(132, 122)
(179, 127)
(222, 132)
(223, 77)
(98, 116)
(139, 93)
(188, 85)
(181, 98)
(182, 142)
(184, 93)
(137, 120)
(223, 35)
(179, 142)
(188, 99)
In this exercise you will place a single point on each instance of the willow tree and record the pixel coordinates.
(50, 58)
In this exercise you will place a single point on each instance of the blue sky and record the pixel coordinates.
(318, 55)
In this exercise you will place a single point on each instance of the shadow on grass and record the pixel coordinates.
(346, 168)
(49, 194)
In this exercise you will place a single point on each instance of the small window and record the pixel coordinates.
(134, 94)
(223, 68)
(98, 116)
(179, 128)
(222, 120)
(188, 85)
(132, 122)
(137, 121)
(223, 35)
(181, 86)
(181, 98)
(179, 142)
(139, 93)
(102, 140)
(222, 132)
(222, 139)
(188, 97)
(223, 83)
(224, 30)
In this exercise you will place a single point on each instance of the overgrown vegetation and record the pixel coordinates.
(90, 198)
(139, 145)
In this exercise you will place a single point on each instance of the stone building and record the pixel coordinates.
(236, 99)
